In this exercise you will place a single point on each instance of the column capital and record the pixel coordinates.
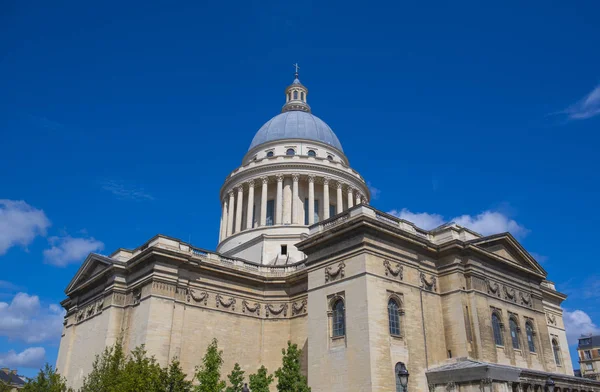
(326, 181)
(250, 183)
(265, 179)
(230, 193)
(311, 178)
(350, 189)
(240, 188)
(295, 177)
(279, 178)
(340, 185)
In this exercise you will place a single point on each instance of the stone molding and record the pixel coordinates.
(229, 303)
(270, 309)
(252, 309)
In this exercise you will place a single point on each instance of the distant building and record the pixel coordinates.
(11, 378)
(589, 356)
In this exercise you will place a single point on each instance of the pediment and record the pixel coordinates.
(93, 266)
(508, 249)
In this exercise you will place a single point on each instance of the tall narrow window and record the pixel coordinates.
(394, 317)
(497, 330)
(529, 333)
(316, 207)
(514, 333)
(302, 95)
(316, 211)
(556, 351)
(253, 215)
(295, 94)
(339, 319)
(270, 212)
(331, 210)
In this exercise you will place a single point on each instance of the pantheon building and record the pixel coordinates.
(374, 301)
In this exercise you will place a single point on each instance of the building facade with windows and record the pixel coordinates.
(588, 350)
(302, 257)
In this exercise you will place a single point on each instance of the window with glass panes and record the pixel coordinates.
(394, 317)
(339, 319)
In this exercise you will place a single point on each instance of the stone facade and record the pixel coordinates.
(588, 351)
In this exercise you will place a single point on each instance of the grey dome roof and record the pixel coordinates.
(296, 125)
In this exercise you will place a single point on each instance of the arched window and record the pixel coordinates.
(289, 96)
(394, 317)
(290, 151)
(497, 330)
(529, 333)
(330, 157)
(556, 351)
(295, 94)
(514, 333)
(312, 153)
(269, 154)
(339, 319)
(302, 95)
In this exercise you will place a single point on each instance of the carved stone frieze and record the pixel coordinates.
(90, 310)
(551, 318)
(430, 284)
(299, 307)
(271, 309)
(493, 288)
(331, 273)
(510, 294)
(397, 272)
(525, 299)
(198, 296)
(136, 297)
(229, 304)
(251, 309)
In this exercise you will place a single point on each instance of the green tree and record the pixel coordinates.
(236, 378)
(260, 381)
(47, 380)
(140, 373)
(106, 370)
(4, 387)
(289, 375)
(209, 374)
(174, 378)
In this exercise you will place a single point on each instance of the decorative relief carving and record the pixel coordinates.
(198, 296)
(397, 272)
(430, 285)
(230, 303)
(252, 309)
(80, 315)
(136, 297)
(89, 310)
(99, 306)
(311, 178)
(265, 180)
(271, 309)
(331, 274)
(551, 318)
(295, 177)
(485, 384)
(300, 307)
(525, 299)
(510, 294)
(451, 386)
(279, 177)
(119, 299)
(493, 288)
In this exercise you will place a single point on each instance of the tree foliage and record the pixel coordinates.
(209, 374)
(260, 381)
(289, 375)
(4, 387)
(236, 379)
(47, 380)
(140, 373)
(174, 379)
(106, 370)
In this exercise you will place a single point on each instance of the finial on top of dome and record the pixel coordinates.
(296, 94)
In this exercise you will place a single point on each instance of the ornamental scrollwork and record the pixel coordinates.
(430, 285)
(331, 274)
(136, 297)
(99, 306)
(271, 309)
(493, 287)
(397, 272)
(80, 315)
(252, 309)
(300, 307)
(230, 303)
(525, 298)
(201, 296)
(551, 318)
(510, 294)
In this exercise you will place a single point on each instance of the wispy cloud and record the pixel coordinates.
(538, 257)
(5, 285)
(375, 192)
(67, 250)
(33, 357)
(20, 223)
(578, 322)
(25, 319)
(485, 223)
(125, 191)
(587, 107)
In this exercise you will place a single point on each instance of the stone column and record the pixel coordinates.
(357, 198)
(340, 198)
(238, 208)
(287, 201)
(230, 214)
(263, 201)
(279, 206)
(250, 208)
(325, 198)
(311, 199)
(295, 178)
(224, 221)
(350, 201)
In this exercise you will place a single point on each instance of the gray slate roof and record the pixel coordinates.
(11, 379)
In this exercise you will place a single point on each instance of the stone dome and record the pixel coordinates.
(296, 125)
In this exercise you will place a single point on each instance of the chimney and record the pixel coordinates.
(5, 370)
(14, 371)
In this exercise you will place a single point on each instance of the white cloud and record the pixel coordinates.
(20, 223)
(27, 320)
(577, 323)
(33, 357)
(67, 250)
(125, 191)
(486, 223)
(375, 192)
(423, 220)
(587, 107)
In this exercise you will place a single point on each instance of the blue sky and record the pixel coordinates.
(120, 120)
